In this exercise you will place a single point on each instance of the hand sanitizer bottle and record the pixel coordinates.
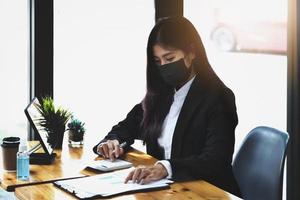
(23, 163)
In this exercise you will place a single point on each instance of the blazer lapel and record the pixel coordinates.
(192, 100)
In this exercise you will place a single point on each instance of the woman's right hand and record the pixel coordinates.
(110, 149)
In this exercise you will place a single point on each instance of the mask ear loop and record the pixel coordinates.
(193, 66)
(190, 69)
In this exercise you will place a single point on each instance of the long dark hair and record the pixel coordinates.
(178, 33)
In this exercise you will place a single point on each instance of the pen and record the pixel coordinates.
(123, 144)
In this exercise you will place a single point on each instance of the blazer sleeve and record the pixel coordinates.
(216, 155)
(126, 130)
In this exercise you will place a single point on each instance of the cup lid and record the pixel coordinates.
(10, 141)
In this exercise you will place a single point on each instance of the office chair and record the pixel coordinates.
(258, 165)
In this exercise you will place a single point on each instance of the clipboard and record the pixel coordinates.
(107, 185)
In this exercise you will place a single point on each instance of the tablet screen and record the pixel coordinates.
(34, 116)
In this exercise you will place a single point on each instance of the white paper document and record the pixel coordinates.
(105, 185)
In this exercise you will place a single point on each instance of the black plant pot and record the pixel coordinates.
(56, 139)
(75, 138)
(59, 140)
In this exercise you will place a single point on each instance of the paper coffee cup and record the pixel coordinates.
(10, 146)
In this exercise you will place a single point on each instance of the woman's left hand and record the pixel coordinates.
(144, 175)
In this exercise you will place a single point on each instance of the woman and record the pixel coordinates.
(187, 117)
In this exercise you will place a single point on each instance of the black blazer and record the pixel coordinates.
(203, 141)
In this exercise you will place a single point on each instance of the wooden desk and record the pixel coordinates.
(71, 162)
(190, 190)
(199, 190)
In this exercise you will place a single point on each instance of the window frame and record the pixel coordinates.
(293, 100)
(41, 51)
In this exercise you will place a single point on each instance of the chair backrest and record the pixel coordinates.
(258, 165)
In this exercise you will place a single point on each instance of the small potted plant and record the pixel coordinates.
(54, 121)
(76, 132)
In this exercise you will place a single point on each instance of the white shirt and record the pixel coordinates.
(165, 139)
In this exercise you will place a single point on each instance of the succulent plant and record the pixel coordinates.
(76, 125)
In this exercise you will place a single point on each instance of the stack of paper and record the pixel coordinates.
(108, 184)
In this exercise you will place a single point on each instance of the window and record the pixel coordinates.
(246, 44)
(100, 59)
(14, 67)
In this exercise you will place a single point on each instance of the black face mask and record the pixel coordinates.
(175, 73)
